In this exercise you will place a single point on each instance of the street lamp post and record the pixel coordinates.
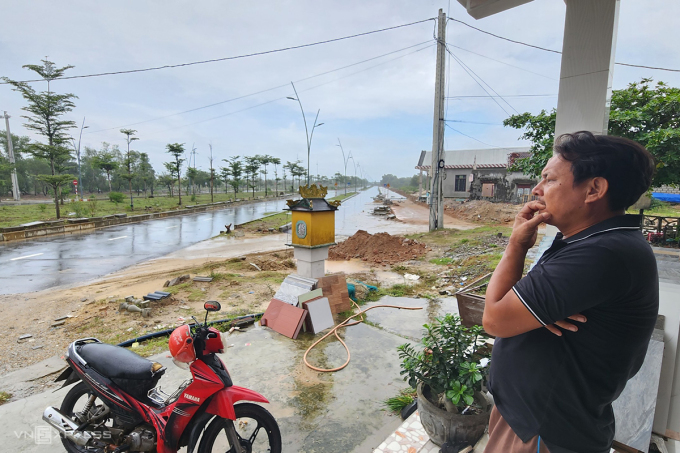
(80, 137)
(354, 162)
(344, 161)
(307, 134)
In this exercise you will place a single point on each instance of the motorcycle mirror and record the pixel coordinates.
(212, 305)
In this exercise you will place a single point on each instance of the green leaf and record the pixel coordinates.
(468, 399)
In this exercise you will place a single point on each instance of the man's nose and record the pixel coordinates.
(537, 189)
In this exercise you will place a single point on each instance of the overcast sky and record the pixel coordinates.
(381, 110)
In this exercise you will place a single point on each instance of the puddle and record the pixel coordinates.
(356, 266)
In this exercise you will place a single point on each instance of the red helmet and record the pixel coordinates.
(182, 345)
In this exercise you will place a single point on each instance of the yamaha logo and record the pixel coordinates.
(192, 398)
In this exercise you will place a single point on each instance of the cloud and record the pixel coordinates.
(383, 112)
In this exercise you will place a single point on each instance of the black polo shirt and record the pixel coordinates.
(561, 388)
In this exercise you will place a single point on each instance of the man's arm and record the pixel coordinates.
(505, 315)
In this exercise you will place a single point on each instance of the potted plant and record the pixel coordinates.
(448, 372)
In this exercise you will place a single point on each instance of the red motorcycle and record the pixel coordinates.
(116, 407)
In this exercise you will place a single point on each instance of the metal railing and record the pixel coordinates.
(661, 231)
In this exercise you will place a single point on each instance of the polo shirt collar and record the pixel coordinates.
(620, 222)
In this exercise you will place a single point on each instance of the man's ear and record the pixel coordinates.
(597, 189)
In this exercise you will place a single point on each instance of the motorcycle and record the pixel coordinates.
(116, 406)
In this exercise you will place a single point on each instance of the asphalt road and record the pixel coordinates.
(64, 260)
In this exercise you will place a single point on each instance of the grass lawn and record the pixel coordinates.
(660, 208)
(11, 215)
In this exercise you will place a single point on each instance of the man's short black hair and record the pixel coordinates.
(625, 164)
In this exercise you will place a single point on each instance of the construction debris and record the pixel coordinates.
(177, 280)
(203, 279)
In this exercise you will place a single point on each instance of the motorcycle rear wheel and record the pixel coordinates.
(74, 401)
(256, 429)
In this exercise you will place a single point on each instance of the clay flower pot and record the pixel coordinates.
(443, 426)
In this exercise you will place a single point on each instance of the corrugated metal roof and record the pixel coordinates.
(466, 158)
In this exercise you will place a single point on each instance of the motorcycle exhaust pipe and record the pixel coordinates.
(66, 427)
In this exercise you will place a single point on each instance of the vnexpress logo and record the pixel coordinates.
(41, 435)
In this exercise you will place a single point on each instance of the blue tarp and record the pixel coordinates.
(671, 197)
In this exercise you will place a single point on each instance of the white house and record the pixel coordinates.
(482, 174)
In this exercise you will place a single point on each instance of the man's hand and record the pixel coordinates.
(566, 325)
(525, 229)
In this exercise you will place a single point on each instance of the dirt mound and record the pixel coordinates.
(482, 211)
(379, 248)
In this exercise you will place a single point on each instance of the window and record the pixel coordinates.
(460, 183)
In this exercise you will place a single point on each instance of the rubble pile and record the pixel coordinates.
(379, 248)
(482, 211)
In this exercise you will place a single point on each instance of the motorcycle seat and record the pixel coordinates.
(115, 362)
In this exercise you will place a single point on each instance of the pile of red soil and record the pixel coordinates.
(379, 248)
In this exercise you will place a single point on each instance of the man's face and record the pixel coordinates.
(562, 199)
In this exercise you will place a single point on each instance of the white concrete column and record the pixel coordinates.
(587, 69)
(588, 51)
(311, 262)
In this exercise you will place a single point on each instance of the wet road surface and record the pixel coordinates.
(64, 260)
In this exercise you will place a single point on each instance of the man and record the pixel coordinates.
(553, 381)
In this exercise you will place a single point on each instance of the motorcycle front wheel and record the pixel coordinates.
(256, 429)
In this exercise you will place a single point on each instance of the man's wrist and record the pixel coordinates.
(517, 248)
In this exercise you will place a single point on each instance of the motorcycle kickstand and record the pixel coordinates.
(233, 437)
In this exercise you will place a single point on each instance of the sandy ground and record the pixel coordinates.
(34, 313)
(418, 214)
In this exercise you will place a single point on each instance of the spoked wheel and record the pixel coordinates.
(256, 430)
(74, 405)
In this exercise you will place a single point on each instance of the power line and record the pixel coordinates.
(305, 90)
(552, 50)
(473, 78)
(484, 82)
(261, 91)
(254, 54)
(468, 136)
(472, 122)
(505, 95)
(502, 62)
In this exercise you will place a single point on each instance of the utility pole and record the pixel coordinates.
(10, 150)
(437, 168)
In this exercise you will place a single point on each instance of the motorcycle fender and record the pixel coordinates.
(197, 426)
(222, 403)
(68, 376)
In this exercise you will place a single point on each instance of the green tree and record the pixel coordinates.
(19, 145)
(191, 174)
(146, 172)
(105, 160)
(225, 173)
(175, 167)
(264, 161)
(236, 171)
(276, 162)
(167, 180)
(646, 113)
(251, 167)
(129, 161)
(45, 111)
